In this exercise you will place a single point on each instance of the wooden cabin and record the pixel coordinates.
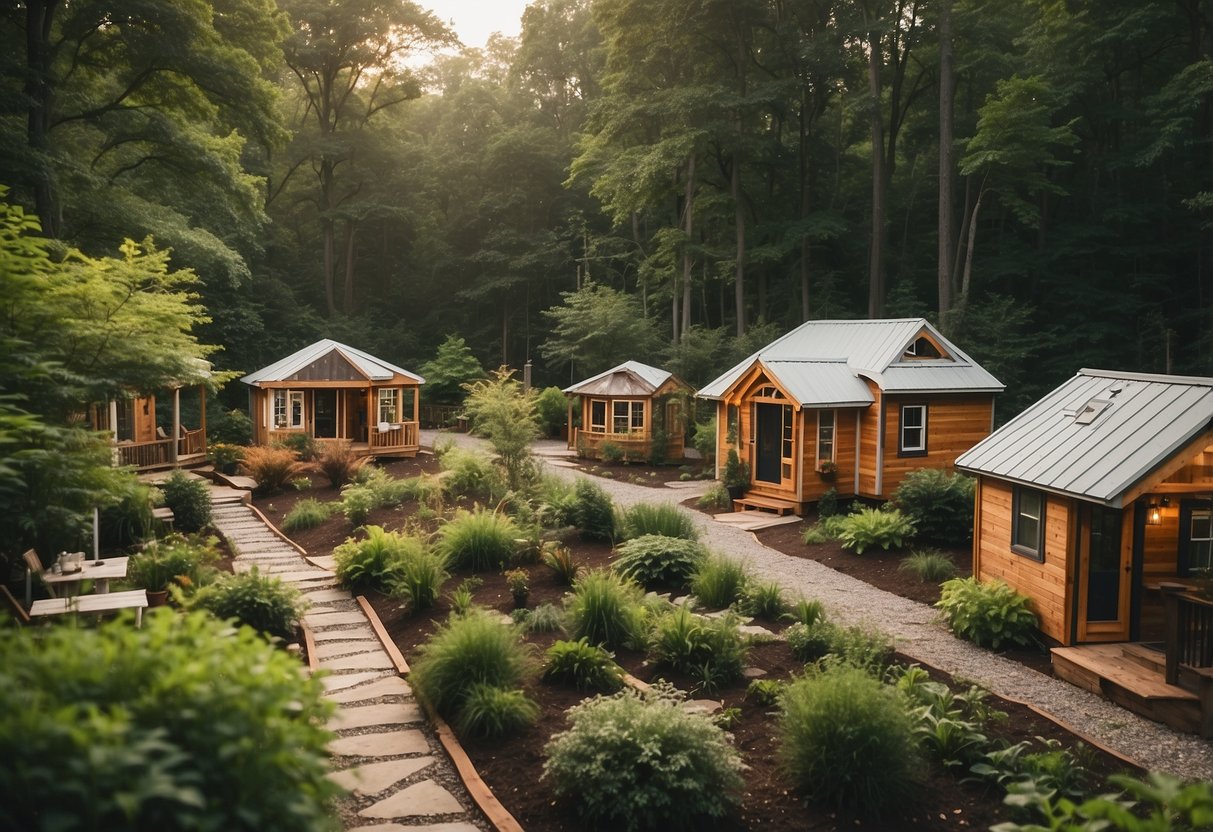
(1097, 503)
(141, 441)
(849, 405)
(629, 406)
(335, 393)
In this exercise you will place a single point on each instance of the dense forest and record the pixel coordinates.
(670, 181)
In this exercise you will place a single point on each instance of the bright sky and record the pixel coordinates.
(474, 20)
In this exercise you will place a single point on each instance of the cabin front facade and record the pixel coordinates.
(147, 440)
(849, 405)
(1097, 503)
(629, 407)
(335, 393)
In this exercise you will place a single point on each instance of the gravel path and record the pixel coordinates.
(920, 635)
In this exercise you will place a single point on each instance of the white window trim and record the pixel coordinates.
(1034, 549)
(902, 447)
(599, 427)
(281, 405)
(833, 436)
(389, 396)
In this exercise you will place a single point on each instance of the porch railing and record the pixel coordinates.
(1189, 638)
(634, 445)
(158, 452)
(402, 435)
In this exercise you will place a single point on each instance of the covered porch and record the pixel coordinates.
(141, 442)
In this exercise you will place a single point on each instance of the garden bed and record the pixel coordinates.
(639, 473)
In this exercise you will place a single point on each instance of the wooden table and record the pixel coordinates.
(135, 599)
(98, 571)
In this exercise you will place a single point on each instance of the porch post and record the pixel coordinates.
(173, 446)
(113, 414)
(370, 412)
(568, 426)
(202, 405)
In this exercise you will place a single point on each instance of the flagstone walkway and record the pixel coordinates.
(384, 753)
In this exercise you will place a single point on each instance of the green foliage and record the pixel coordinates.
(557, 500)
(417, 576)
(176, 559)
(552, 410)
(764, 600)
(225, 457)
(704, 439)
(338, 463)
(307, 514)
(190, 499)
(716, 497)
(611, 452)
(453, 366)
(561, 561)
(847, 740)
(585, 666)
(594, 513)
(719, 581)
(827, 503)
(479, 540)
(807, 611)
(948, 726)
(929, 565)
(466, 652)
(939, 504)
(231, 427)
(545, 618)
(374, 488)
(664, 519)
(596, 328)
(658, 561)
(263, 602)
(491, 711)
(462, 598)
(272, 468)
(303, 445)
(765, 693)
(167, 726)
(469, 474)
(373, 562)
(504, 413)
(860, 647)
(634, 762)
(988, 614)
(736, 473)
(809, 642)
(869, 527)
(605, 609)
(129, 520)
(711, 650)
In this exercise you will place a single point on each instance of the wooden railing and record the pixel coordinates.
(403, 435)
(1189, 631)
(634, 445)
(192, 442)
(145, 454)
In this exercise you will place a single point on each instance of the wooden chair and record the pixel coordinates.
(33, 565)
(18, 611)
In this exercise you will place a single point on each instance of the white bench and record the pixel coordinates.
(135, 599)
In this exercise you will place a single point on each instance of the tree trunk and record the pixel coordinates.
(39, 20)
(347, 300)
(947, 163)
(739, 224)
(330, 292)
(688, 225)
(803, 163)
(966, 281)
(876, 278)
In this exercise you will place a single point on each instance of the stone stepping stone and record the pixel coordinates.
(387, 744)
(347, 680)
(373, 778)
(352, 634)
(753, 673)
(755, 631)
(377, 660)
(326, 583)
(705, 707)
(334, 619)
(324, 562)
(247, 523)
(310, 575)
(385, 686)
(280, 567)
(240, 566)
(457, 826)
(344, 648)
(393, 713)
(330, 595)
(424, 798)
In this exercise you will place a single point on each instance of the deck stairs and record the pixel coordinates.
(1132, 676)
(759, 502)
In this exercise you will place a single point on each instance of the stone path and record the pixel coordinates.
(385, 753)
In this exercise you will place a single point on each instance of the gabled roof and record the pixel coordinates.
(374, 369)
(1098, 434)
(811, 355)
(631, 378)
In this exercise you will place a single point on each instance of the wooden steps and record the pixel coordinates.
(1131, 676)
(757, 502)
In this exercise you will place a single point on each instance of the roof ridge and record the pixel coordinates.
(1159, 378)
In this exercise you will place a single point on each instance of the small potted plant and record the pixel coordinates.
(519, 582)
(148, 570)
(736, 476)
(827, 470)
(225, 457)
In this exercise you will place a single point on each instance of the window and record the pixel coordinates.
(637, 415)
(913, 440)
(1200, 541)
(389, 405)
(922, 347)
(627, 416)
(288, 409)
(597, 416)
(1028, 523)
(825, 436)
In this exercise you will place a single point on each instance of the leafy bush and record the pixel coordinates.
(560, 559)
(174, 560)
(736, 473)
(129, 519)
(711, 650)
(168, 726)
(809, 642)
(545, 618)
(870, 527)
(594, 513)
(719, 582)
(478, 540)
(233, 427)
(654, 560)
(338, 463)
(633, 762)
(307, 514)
(262, 602)
(864, 648)
(665, 519)
(610, 452)
(374, 488)
(224, 457)
(557, 503)
(929, 565)
(491, 711)
(469, 474)
(357, 503)
(988, 614)
(827, 503)
(375, 561)
(605, 609)
(585, 666)
(807, 612)
(765, 692)
(302, 444)
(847, 740)
(939, 504)
(190, 499)
(272, 467)
(716, 497)
(829, 528)
(466, 652)
(417, 576)
(765, 600)
(551, 407)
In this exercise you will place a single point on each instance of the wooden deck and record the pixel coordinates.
(758, 502)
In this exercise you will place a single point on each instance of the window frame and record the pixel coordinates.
(902, 448)
(1034, 549)
(832, 442)
(389, 396)
(599, 426)
(282, 405)
(1188, 513)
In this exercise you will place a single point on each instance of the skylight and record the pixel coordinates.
(1090, 411)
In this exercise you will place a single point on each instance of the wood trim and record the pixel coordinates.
(800, 415)
(309, 644)
(878, 486)
(858, 445)
(276, 530)
(389, 646)
(977, 527)
(1178, 461)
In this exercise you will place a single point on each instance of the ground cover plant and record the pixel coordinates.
(307, 514)
(929, 565)
(262, 602)
(939, 504)
(655, 560)
(988, 613)
(719, 581)
(478, 540)
(869, 527)
(711, 650)
(661, 519)
(585, 666)
(372, 561)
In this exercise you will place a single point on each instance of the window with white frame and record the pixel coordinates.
(825, 436)
(627, 416)
(288, 409)
(1200, 542)
(598, 410)
(913, 435)
(1028, 522)
(389, 404)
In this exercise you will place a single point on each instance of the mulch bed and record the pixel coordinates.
(654, 476)
(513, 767)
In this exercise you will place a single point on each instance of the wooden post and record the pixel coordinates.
(370, 412)
(1170, 604)
(202, 405)
(568, 426)
(173, 446)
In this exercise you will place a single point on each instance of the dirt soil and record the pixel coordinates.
(654, 476)
(513, 767)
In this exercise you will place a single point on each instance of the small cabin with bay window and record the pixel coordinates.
(638, 409)
(332, 392)
(849, 405)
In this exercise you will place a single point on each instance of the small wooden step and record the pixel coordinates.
(1106, 669)
(757, 502)
(1147, 657)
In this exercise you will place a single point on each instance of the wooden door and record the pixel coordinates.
(324, 414)
(1105, 574)
(768, 442)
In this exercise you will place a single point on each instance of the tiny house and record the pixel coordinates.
(146, 439)
(336, 393)
(633, 407)
(849, 405)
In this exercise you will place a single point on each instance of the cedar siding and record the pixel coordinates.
(955, 423)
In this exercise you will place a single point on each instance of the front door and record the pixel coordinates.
(324, 414)
(1105, 575)
(768, 420)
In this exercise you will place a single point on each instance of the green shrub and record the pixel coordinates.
(665, 519)
(764, 600)
(338, 463)
(939, 504)
(557, 503)
(357, 503)
(704, 439)
(719, 582)
(128, 520)
(463, 653)
(373, 488)
(190, 500)
(860, 647)
(827, 529)
(307, 514)
(272, 468)
(711, 650)
(988, 614)
(171, 726)
(585, 666)
(610, 452)
(560, 560)
(263, 602)
(479, 540)
(827, 503)
(175, 560)
(469, 474)
(605, 609)
(374, 561)
(1164, 801)
(765, 692)
(847, 740)
(630, 762)
(551, 408)
(491, 711)
(869, 527)
(462, 598)
(809, 642)
(417, 576)
(303, 445)
(233, 427)
(929, 565)
(225, 457)
(654, 560)
(594, 513)
(716, 497)
(545, 618)
(807, 612)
